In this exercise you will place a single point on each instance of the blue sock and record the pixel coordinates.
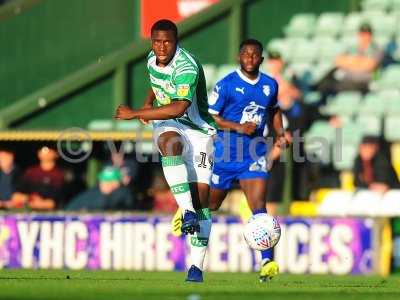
(259, 211)
(266, 255)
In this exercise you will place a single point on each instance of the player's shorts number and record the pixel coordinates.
(202, 163)
(203, 160)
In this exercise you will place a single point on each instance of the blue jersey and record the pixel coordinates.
(239, 99)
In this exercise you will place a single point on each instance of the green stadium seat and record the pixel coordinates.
(328, 48)
(382, 41)
(224, 70)
(395, 6)
(375, 5)
(328, 24)
(383, 24)
(131, 125)
(344, 156)
(350, 133)
(370, 124)
(393, 106)
(282, 46)
(392, 125)
(318, 140)
(348, 40)
(301, 25)
(343, 104)
(312, 97)
(318, 71)
(369, 16)
(210, 72)
(304, 51)
(373, 104)
(389, 78)
(345, 146)
(351, 23)
(101, 125)
(391, 99)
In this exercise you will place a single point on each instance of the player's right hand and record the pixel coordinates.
(248, 128)
(123, 112)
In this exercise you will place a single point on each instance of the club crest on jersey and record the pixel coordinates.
(266, 90)
(183, 90)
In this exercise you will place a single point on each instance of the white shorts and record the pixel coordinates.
(198, 149)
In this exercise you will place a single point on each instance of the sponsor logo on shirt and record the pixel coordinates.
(240, 90)
(252, 113)
(183, 90)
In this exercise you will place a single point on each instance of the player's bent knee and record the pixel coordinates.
(170, 143)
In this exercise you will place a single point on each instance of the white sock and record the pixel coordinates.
(176, 174)
(199, 241)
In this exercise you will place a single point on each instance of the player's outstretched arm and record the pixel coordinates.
(246, 128)
(173, 110)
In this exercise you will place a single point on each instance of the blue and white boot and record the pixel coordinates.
(190, 223)
(194, 274)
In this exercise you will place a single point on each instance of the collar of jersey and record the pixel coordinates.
(248, 80)
(178, 50)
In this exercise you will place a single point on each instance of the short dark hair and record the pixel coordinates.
(365, 27)
(253, 42)
(370, 139)
(165, 25)
(274, 54)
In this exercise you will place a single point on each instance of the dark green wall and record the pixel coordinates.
(60, 36)
(57, 37)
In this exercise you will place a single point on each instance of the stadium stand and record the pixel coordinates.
(309, 44)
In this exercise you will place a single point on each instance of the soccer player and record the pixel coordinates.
(182, 131)
(243, 104)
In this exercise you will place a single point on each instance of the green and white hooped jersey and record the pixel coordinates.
(182, 78)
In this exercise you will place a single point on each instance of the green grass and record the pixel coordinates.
(113, 285)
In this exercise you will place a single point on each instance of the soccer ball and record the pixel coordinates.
(262, 232)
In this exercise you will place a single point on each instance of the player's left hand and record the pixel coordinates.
(273, 155)
(123, 112)
(282, 141)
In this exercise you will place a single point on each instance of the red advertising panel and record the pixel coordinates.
(175, 10)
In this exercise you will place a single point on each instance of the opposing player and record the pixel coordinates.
(182, 131)
(243, 104)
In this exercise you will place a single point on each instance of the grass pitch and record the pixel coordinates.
(117, 285)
